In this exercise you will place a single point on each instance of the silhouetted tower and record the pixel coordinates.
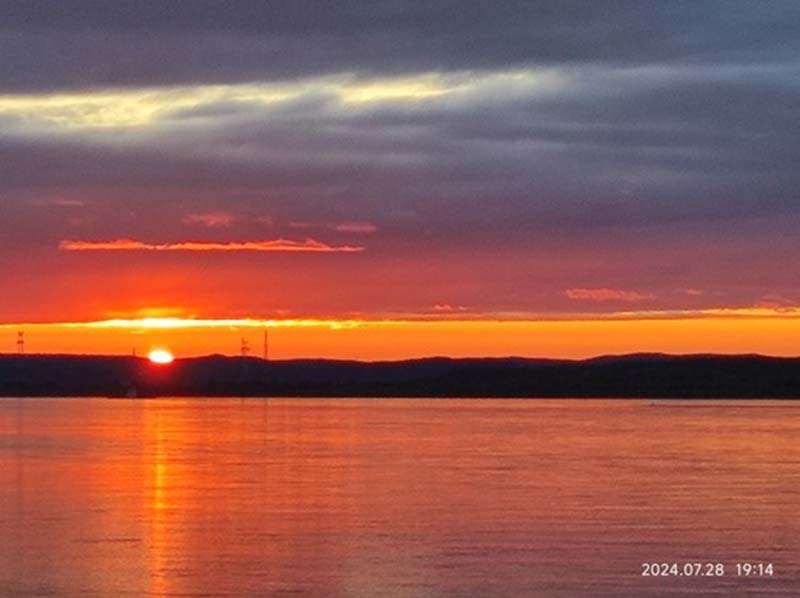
(245, 347)
(266, 344)
(21, 342)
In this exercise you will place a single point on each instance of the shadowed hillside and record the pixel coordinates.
(647, 375)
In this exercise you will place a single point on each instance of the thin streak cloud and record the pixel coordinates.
(210, 219)
(607, 295)
(356, 227)
(274, 245)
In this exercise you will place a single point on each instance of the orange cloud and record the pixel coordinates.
(210, 219)
(284, 245)
(607, 295)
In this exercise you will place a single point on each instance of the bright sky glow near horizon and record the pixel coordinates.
(398, 179)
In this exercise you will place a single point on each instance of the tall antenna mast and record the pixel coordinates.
(266, 344)
(21, 342)
(245, 347)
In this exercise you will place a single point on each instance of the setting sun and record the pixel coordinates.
(160, 356)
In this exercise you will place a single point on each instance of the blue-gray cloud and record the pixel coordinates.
(93, 43)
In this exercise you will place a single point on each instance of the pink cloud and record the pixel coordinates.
(61, 202)
(276, 245)
(607, 295)
(362, 228)
(210, 219)
(300, 224)
(265, 220)
(356, 227)
(777, 302)
(692, 292)
(446, 308)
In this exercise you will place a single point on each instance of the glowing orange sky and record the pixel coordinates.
(372, 340)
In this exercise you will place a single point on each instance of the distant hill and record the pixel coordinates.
(642, 375)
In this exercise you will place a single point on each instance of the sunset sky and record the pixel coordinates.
(391, 179)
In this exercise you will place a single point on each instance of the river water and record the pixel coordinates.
(396, 498)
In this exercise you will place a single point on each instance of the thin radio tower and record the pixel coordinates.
(245, 347)
(266, 344)
(21, 342)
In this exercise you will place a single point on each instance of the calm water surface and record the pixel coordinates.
(394, 498)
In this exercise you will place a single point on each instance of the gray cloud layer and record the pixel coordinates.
(93, 43)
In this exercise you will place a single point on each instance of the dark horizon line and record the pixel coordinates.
(422, 358)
